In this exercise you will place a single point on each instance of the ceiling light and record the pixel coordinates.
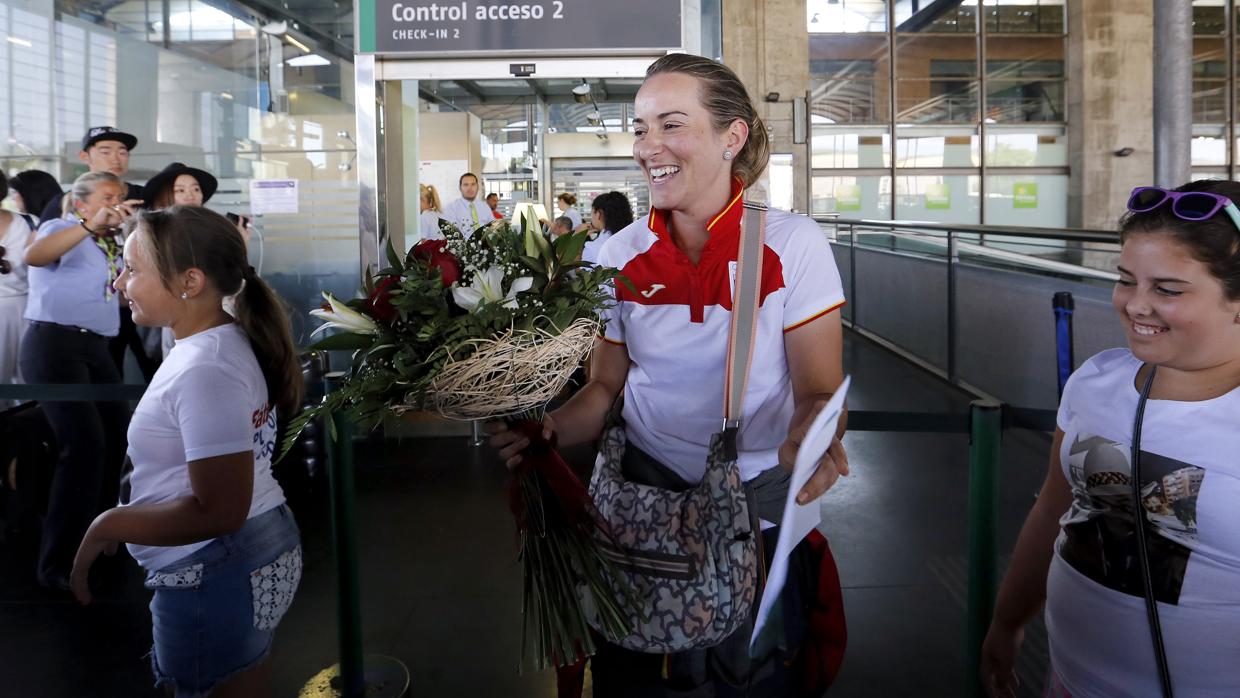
(275, 28)
(226, 95)
(19, 42)
(307, 61)
(293, 40)
(581, 93)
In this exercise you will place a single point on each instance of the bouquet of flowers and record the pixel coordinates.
(486, 327)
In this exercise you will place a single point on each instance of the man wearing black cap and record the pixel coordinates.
(104, 149)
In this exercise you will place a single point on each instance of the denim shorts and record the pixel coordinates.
(215, 611)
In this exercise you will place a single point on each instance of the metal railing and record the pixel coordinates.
(919, 288)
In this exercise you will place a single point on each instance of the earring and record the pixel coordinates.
(727, 155)
(184, 295)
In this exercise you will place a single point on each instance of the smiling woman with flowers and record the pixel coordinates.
(665, 352)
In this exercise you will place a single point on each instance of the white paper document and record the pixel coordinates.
(273, 196)
(800, 519)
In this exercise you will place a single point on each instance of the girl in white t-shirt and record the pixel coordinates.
(432, 212)
(1178, 298)
(206, 519)
(16, 233)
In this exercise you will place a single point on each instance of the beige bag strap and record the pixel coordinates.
(746, 297)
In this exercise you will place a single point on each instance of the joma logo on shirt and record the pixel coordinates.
(654, 288)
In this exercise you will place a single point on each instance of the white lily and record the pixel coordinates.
(343, 317)
(488, 286)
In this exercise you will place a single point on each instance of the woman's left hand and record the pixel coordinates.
(92, 545)
(831, 466)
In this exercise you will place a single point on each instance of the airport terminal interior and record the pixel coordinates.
(967, 161)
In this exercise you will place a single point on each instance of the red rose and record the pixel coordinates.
(436, 255)
(379, 302)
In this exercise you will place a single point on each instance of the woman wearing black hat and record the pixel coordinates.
(180, 185)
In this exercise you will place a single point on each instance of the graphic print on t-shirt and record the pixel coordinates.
(1100, 537)
(264, 421)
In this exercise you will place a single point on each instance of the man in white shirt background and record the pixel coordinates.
(468, 212)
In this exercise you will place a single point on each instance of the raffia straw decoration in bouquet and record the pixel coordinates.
(492, 327)
(517, 371)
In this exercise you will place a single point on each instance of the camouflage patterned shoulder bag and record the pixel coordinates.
(689, 557)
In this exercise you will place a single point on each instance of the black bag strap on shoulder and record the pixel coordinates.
(746, 297)
(1143, 553)
(29, 221)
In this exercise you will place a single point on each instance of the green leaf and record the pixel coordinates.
(544, 246)
(393, 258)
(569, 247)
(621, 278)
(342, 341)
(528, 236)
(533, 263)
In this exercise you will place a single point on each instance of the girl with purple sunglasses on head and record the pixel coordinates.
(1152, 609)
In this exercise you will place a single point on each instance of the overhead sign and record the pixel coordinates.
(404, 27)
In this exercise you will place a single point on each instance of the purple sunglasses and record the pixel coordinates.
(1186, 205)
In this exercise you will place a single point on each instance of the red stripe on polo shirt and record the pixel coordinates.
(814, 317)
(663, 275)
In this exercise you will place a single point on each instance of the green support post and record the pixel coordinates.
(985, 435)
(357, 675)
(344, 546)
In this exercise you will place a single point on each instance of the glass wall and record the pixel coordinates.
(976, 108)
(1216, 26)
(214, 86)
(1211, 116)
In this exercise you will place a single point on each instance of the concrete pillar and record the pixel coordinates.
(767, 43)
(1110, 107)
(1173, 92)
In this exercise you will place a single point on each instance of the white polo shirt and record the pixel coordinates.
(675, 328)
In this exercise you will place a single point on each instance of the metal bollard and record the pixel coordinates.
(1064, 358)
(985, 435)
(344, 527)
(357, 675)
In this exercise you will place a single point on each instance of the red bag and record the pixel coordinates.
(818, 660)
